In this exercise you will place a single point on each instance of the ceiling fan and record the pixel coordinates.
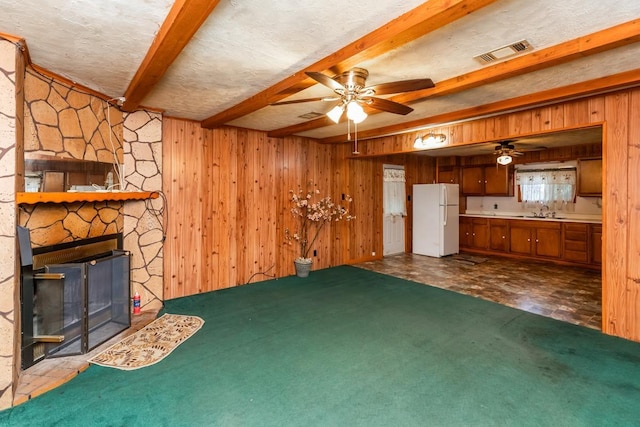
(351, 94)
(505, 152)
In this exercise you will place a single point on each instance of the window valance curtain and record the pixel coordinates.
(394, 192)
(554, 187)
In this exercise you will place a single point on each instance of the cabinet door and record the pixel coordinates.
(465, 232)
(548, 242)
(480, 234)
(498, 230)
(589, 177)
(473, 180)
(521, 239)
(448, 176)
(498, 180)
(596, 244)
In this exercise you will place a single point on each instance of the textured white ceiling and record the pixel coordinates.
(247, 46)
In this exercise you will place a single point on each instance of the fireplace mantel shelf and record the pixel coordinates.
(90, 196)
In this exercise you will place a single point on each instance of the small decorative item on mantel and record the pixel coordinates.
(312, 214)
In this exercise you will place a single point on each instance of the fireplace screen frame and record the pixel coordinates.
(74, 296)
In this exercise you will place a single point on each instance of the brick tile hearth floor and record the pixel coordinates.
(570, 294)
(50, 373)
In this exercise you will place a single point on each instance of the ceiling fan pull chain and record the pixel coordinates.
(355, 142)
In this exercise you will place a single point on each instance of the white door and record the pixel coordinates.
(393, 224)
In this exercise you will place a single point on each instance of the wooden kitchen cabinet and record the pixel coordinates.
(558, 241)
(595, 243)
(535, 238)
(589, 177)
(472, 181)
(521, 238)
(488, 180)
(498, 180)
(449, 175)
(474, 233)
(575, 242)
(548, 240)
(498, 235)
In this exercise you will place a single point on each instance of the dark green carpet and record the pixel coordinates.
(348, 347)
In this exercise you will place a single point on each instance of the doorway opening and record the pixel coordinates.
(394, 209)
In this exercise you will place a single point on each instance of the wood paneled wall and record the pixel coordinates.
(228, 204)
(228, 196)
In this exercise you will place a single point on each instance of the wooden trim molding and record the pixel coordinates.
(183, 21)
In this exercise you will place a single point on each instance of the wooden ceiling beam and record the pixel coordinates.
(182, 22)
(423, 19)
(594, 43)
(577, 90)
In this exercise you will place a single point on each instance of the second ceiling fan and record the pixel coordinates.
(352, 94)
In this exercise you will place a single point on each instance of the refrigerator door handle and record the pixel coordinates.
(446, 213)
(446, 204)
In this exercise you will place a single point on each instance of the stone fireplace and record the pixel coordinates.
(42, 115)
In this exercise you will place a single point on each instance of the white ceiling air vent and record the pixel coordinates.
(504, 52)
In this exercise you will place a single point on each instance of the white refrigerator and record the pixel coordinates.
(435, 219)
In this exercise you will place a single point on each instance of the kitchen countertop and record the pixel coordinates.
(560, 217)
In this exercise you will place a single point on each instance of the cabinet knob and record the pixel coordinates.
(537, 240)
(528, 240)
(504, 237)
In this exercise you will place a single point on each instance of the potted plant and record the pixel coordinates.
(312, 214)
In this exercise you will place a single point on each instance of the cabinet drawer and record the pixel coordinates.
(575, 256)
(571, 245)
(575, 235)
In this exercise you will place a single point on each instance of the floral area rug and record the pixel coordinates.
(150, 344)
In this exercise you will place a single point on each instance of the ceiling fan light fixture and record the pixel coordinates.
(504, 159)
(335, 113)
(355, 112)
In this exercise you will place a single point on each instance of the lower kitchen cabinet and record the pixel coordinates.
(474, 233)
(498, 233)
(595, 246)
(564, 242)
(535, 238)
(576, 242)
(548, 243)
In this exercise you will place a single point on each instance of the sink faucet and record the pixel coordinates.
(542, 211)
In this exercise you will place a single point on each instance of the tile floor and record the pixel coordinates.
(570, 294)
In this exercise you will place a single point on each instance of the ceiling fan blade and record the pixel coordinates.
(400, 86)
(298, 101)
(388, 106)
(325, 80)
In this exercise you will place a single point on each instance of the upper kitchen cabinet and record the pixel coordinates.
(449, 175)
(448, 170)
(590, 177)
(487, 180)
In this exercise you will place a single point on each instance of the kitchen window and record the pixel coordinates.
(551, 188)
